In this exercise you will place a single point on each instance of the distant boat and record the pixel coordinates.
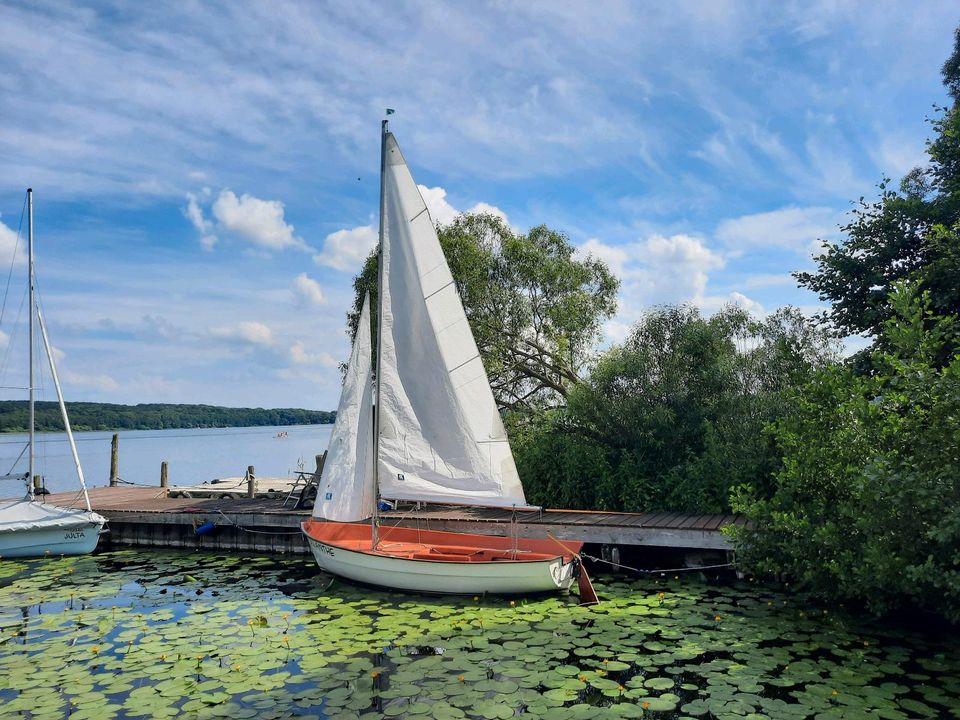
(28, 527)
(434, 433)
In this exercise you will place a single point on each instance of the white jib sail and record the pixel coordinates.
(441, 436)
(346, 492)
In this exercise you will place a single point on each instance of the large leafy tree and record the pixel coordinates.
(908, 234)
(673, 417)
(867, 503)
(535, 307)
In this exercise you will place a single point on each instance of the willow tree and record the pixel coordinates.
(535, 306)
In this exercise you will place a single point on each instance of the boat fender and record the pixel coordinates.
(206, 528)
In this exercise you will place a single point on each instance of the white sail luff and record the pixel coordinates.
(440, 434)
(347, 492)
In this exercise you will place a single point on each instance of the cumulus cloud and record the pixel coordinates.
(8, 243)
(259, 221)
(300, 356)
(307, 291)
(247, 332)
(795, 228)
(345, 250)
(443, 213)
(661, 270)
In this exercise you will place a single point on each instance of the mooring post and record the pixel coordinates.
(163, 476)
(251, 482)
(115, 460)
(321, 459)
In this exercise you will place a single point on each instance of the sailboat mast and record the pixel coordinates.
(31, 303)
(376, 415)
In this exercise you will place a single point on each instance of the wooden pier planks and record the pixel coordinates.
(143, 515)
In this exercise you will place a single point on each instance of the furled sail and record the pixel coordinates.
(441, 436)
(346, 492)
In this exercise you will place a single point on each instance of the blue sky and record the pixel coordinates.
(205, 174)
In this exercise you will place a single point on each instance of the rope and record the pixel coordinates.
(13, 259)
(661, 571)
(257, 532)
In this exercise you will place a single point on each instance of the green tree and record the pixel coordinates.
(672, 418)
(535, 307)
(867, 503)
(908, 234)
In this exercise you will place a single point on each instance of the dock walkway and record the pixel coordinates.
(143, 516)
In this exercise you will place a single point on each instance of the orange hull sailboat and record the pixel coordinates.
(426, 430)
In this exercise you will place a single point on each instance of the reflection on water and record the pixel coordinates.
(193, 455)
(133, 634)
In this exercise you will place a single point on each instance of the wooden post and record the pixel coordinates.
(251, 482)
(115, 460)
(321, 459)
(37, 484)
(163, 477)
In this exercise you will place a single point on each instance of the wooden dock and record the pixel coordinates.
(143, 516)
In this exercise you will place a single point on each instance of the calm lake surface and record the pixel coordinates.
(193, 455)
(132, 634)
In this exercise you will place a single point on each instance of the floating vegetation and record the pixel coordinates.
(135, 635)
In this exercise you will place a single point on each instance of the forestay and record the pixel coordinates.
(441, 436)
(346, 491)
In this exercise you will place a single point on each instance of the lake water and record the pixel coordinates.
(136, 634)
(193, 456)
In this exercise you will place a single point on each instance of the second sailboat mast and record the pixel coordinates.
(376, 414)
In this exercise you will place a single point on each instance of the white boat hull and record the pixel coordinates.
(504, 577)
(40, 542)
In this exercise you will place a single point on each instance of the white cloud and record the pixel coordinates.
(4, 340)
(795, 228)
(100, 381)
(195, 215)
(345, 250)
(248, 332)
(299, 356)
(899, 154)
(659, 270)
(443, 213)
(8, 241)
(258, 221)
(440, 210)
(307, 291)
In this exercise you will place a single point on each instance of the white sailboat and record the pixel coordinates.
(28, 527)
(433, 435)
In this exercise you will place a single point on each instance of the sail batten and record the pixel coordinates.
(452, 447)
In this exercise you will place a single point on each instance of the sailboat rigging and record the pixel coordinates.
(435, 434)
(29, 528)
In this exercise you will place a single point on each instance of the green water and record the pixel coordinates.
(133, 634)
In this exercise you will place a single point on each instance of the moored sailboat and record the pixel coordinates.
(433, 435)
(28, 527)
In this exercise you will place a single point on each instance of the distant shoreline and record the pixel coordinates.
(88, 416)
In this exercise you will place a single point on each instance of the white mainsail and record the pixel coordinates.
(441, 438)
(346, 491)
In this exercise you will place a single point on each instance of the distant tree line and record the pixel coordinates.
(14, 416)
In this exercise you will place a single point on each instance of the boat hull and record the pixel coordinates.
(402, 560)
(39, 542)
